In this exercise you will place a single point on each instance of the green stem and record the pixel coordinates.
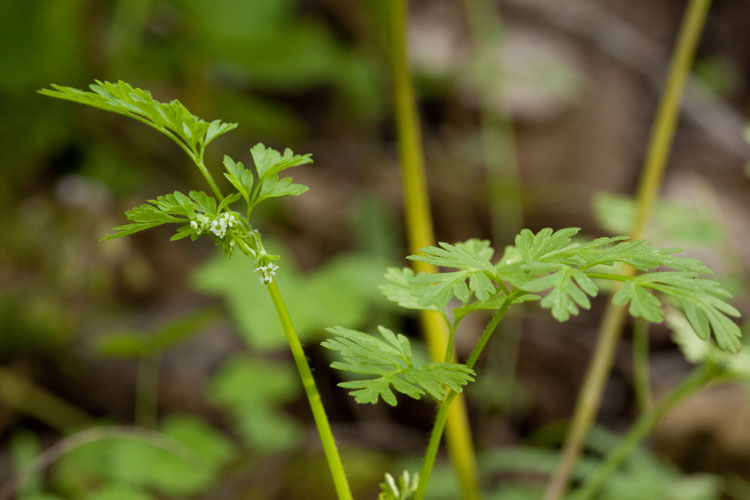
(420, 235)
(697, 379)
(641, 369)
(660, 142)
(313, 397)
(442, 414)
(209, 179)
(449, 352)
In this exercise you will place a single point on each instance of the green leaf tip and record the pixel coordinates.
(171, 118)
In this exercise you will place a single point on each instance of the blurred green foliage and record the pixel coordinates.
(145, 464)
(345, 291)
(250, 391)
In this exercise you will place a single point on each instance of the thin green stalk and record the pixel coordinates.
(641, 370)
(442, 415)
(662, 135)
(696, 380)
(420, 235)
(449, 351)
(209, 179)
(316, 405)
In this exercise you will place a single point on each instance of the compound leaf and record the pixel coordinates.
(390, 360)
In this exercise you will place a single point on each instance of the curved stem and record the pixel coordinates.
(696, 380)
(660, 142)
(420, 235)
(440, 419)
(316, 405)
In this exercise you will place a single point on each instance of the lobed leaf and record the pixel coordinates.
(473, 277)
(533, 247)
(643, 303)
(702, 301)
(204, 203)
(697, 350)
(268, 161)
(569, 290)
(273, 187)
(240, 177)
(399, 289)
(390, 360)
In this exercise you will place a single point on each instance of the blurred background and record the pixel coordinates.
(535, 113)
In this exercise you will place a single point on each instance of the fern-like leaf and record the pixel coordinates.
(389, 359)
(473, 276)
(398, 288)
(702, 301)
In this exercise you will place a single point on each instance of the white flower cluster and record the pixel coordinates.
(200, 223)
(220, 224)
(268, 272)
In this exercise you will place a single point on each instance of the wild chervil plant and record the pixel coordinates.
(548, 266)
(200, 214)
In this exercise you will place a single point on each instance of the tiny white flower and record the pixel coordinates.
(268, 272)
(193, 224)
